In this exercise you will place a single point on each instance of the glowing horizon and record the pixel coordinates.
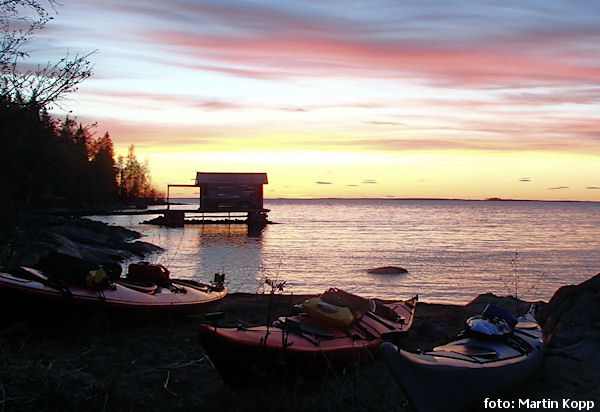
(381, 99)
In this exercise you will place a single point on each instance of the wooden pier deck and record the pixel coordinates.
(133, 212)
(177, 217)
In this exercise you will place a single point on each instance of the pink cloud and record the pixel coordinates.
(588, 95)
(487, 64)
(144, 134)
(462, 44)
(457, 47)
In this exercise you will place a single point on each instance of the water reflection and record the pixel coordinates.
(209, 235)
(233, 249)
(453, 250)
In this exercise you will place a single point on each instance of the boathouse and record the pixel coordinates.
(235, 192)
(226, 193)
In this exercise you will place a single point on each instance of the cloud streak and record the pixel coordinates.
(284, 57)
(278, 41)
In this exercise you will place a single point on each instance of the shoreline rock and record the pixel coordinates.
(37, 235)
(572, 318)
(387, 270)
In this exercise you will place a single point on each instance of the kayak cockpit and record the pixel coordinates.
(467, 350)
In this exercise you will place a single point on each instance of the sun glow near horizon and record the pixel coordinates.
(359, 174)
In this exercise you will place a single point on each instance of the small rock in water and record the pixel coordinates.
(387, 270)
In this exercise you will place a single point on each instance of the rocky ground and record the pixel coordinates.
(100, 362)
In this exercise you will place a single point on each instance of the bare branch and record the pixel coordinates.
(48, 84)
(51, 83)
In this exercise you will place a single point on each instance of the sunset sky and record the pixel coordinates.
(450, 99)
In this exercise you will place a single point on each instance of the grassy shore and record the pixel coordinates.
(102, 363)
(98, 363)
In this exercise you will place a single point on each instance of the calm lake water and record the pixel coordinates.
(453, 250)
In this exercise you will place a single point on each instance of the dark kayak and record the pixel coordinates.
(453, 376)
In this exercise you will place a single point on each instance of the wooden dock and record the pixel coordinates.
(177, 217)
(133, 212)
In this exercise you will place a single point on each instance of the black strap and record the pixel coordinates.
(379, 320)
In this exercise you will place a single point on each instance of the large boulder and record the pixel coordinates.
(515, 306)
(572, 316)
(571, 323)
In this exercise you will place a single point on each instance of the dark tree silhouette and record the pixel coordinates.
(134, 179)
(44, 162)
(103, 170)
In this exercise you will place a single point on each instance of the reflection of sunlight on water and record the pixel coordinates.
(453, 250)
(229, 249)
(199, 251)
(227, 234)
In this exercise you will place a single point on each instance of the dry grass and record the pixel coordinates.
(99, 363)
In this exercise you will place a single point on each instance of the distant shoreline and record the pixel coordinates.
(492, 199)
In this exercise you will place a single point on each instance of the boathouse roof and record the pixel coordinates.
(232, 178)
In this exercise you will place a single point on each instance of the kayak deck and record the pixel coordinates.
(301, 344)
(453, 376)
(32, 286)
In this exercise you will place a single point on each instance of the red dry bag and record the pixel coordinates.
(151, 272)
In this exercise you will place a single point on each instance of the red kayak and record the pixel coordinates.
(307, 342)
(30, 286)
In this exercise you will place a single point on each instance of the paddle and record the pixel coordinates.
(34, 274)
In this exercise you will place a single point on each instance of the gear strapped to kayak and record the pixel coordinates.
(77, 271)
(155, 273)
(32, 288)
(493, 323)
(331, 331)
